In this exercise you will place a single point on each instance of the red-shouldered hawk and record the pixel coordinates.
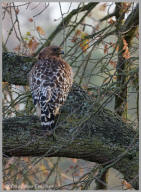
(50, 80)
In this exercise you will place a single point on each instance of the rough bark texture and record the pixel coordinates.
(16, 68)
(83, 130)
(126, 31)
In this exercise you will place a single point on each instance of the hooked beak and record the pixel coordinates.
(61, 52)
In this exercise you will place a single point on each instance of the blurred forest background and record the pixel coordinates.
(95, 41)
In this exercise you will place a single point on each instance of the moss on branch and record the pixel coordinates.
(16, 68)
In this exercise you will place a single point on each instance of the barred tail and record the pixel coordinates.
(47, 121)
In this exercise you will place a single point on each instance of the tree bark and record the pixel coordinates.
(126, 31)
(83, 130)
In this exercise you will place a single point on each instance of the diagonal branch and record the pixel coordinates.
(88, 7)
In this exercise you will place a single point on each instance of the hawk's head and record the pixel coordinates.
(50, 51)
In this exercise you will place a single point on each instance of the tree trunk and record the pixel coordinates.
(126, 31)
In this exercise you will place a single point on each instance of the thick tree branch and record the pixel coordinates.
(82, 131)
(101, 138)
(16, 68)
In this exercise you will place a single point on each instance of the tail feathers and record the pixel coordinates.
(47, 123)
